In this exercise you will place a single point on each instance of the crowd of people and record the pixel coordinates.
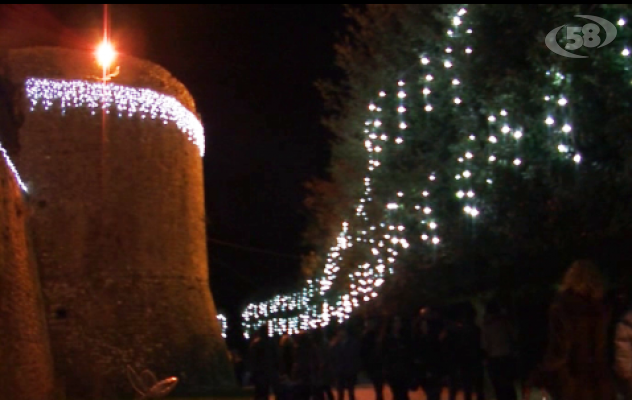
(588, 356)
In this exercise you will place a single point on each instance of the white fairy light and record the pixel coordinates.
(399, 140)
(428, 108)
(448, 50)
(401, 109)
(621, 22)
(492, 158)
(462, 12)
(455, 81)
(456, 21)
(468, 155)
(493, 139)
(435, 240)
(549, 121)
(400, 83)
(460, 194)
(377, 123)
(469, 31)
(503, 113)
(577, 158)
(426, 91)
(457, 100)
(429, 77)
(372, 107)
(403, 125)
(625, 52)
(566, 128)
(517, 134)
(450, 33)
(468, 50)
(401, 94)
(13, 169)
(425, 60)
(467, 174)
(447, 64)
(136, 102)
(382, 94)
(505, 129)
(562, 101)
(517, 161)
(562, 148)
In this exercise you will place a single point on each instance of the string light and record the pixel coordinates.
(223, 324)
(129, 101)
(13, 169)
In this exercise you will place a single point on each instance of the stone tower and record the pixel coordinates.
(26, 370)
(115, 182)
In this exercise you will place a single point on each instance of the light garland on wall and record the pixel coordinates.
(13, 169)
(223, 324)
(123, 100)
(482, 152)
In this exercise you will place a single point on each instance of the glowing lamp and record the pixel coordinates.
(105, 54)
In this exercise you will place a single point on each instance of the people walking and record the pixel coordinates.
(575, 365)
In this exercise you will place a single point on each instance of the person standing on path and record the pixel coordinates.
(499, 344)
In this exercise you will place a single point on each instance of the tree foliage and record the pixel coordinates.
(535, 216)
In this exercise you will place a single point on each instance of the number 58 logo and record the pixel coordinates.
(589, 36)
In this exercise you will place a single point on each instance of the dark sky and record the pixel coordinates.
(251, 69)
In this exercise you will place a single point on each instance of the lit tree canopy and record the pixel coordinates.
(481, 149)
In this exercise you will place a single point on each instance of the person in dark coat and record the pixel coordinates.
(372, 358)
(398, 358)
(465, 356)
(499, 343)
(264, 364)
(575, 365)
(324, 374)
(346, 355)
(428, 352)
(305, 367)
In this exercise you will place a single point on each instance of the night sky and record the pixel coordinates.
(251, 69)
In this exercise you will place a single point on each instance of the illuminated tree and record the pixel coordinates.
(485, 153)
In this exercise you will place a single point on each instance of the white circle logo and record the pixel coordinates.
(589, 36)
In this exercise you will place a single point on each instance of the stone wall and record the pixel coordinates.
(119, 230)
(26, 367)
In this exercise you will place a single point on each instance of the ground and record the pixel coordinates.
(365, 392)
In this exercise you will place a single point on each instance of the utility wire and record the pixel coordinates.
(253, 249)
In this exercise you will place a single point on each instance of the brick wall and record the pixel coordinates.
(26, 370)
